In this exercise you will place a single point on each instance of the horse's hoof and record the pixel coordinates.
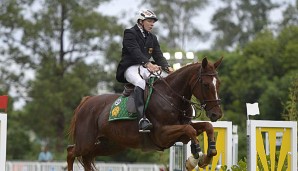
(202, 161)
(212, 152)
(202, 166)
(191, 163)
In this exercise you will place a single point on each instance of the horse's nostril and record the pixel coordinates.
(214, 117)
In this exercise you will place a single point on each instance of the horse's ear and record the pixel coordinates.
(217, 63)
(204, 62)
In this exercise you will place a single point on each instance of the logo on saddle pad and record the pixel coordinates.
(123, 109)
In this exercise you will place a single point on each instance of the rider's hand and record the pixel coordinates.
(170, 70)
(152, 67)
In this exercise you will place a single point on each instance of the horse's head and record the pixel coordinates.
(205, 87)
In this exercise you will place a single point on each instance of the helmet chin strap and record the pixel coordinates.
(141, 23)
(144, 30)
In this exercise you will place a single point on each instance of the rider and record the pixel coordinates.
(139, 45)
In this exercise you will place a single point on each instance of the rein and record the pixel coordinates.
(172, 104)
(158, 75)
(202, 105)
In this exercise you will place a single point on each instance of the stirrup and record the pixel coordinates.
(144, 131)
(149, 126)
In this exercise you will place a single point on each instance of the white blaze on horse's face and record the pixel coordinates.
(214, 83)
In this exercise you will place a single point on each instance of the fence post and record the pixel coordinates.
(277, 133)
(177, 157)
(3, 135)
(3, 131)
(235, 145)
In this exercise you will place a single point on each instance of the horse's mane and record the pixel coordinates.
(186, 68)
(71, 131)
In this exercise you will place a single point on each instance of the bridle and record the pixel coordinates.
(202, 105)
(204, 101)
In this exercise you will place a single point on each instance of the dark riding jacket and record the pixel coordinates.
(138, 49)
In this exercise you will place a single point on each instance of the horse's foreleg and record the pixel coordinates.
(70, 157)
(175, 132)
(208, 128)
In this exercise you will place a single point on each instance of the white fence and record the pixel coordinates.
(62, 166)
(274, 143)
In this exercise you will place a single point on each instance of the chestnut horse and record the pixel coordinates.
(169, 109)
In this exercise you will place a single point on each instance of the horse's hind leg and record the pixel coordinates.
(70, 157)
(88, 162)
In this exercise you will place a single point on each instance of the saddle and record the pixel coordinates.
(128, 89)
(124, 107)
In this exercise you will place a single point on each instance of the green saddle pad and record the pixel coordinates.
(119, 110)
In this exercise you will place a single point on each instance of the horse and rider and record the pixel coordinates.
(169, 112)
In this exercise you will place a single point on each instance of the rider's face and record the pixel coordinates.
(148, 24)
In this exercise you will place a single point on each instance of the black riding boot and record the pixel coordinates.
(144, 124)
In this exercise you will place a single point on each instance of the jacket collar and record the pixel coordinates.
(140, 31)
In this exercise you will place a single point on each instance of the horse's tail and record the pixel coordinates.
(71, 132)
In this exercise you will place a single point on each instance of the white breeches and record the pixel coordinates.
(133, 75)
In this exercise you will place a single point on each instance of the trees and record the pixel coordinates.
(261, 72)
(62, 43)
(289, 45)
(239, 21)
(290, 107)
(290, 16)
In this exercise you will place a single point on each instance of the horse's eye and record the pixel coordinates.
(206, 85)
